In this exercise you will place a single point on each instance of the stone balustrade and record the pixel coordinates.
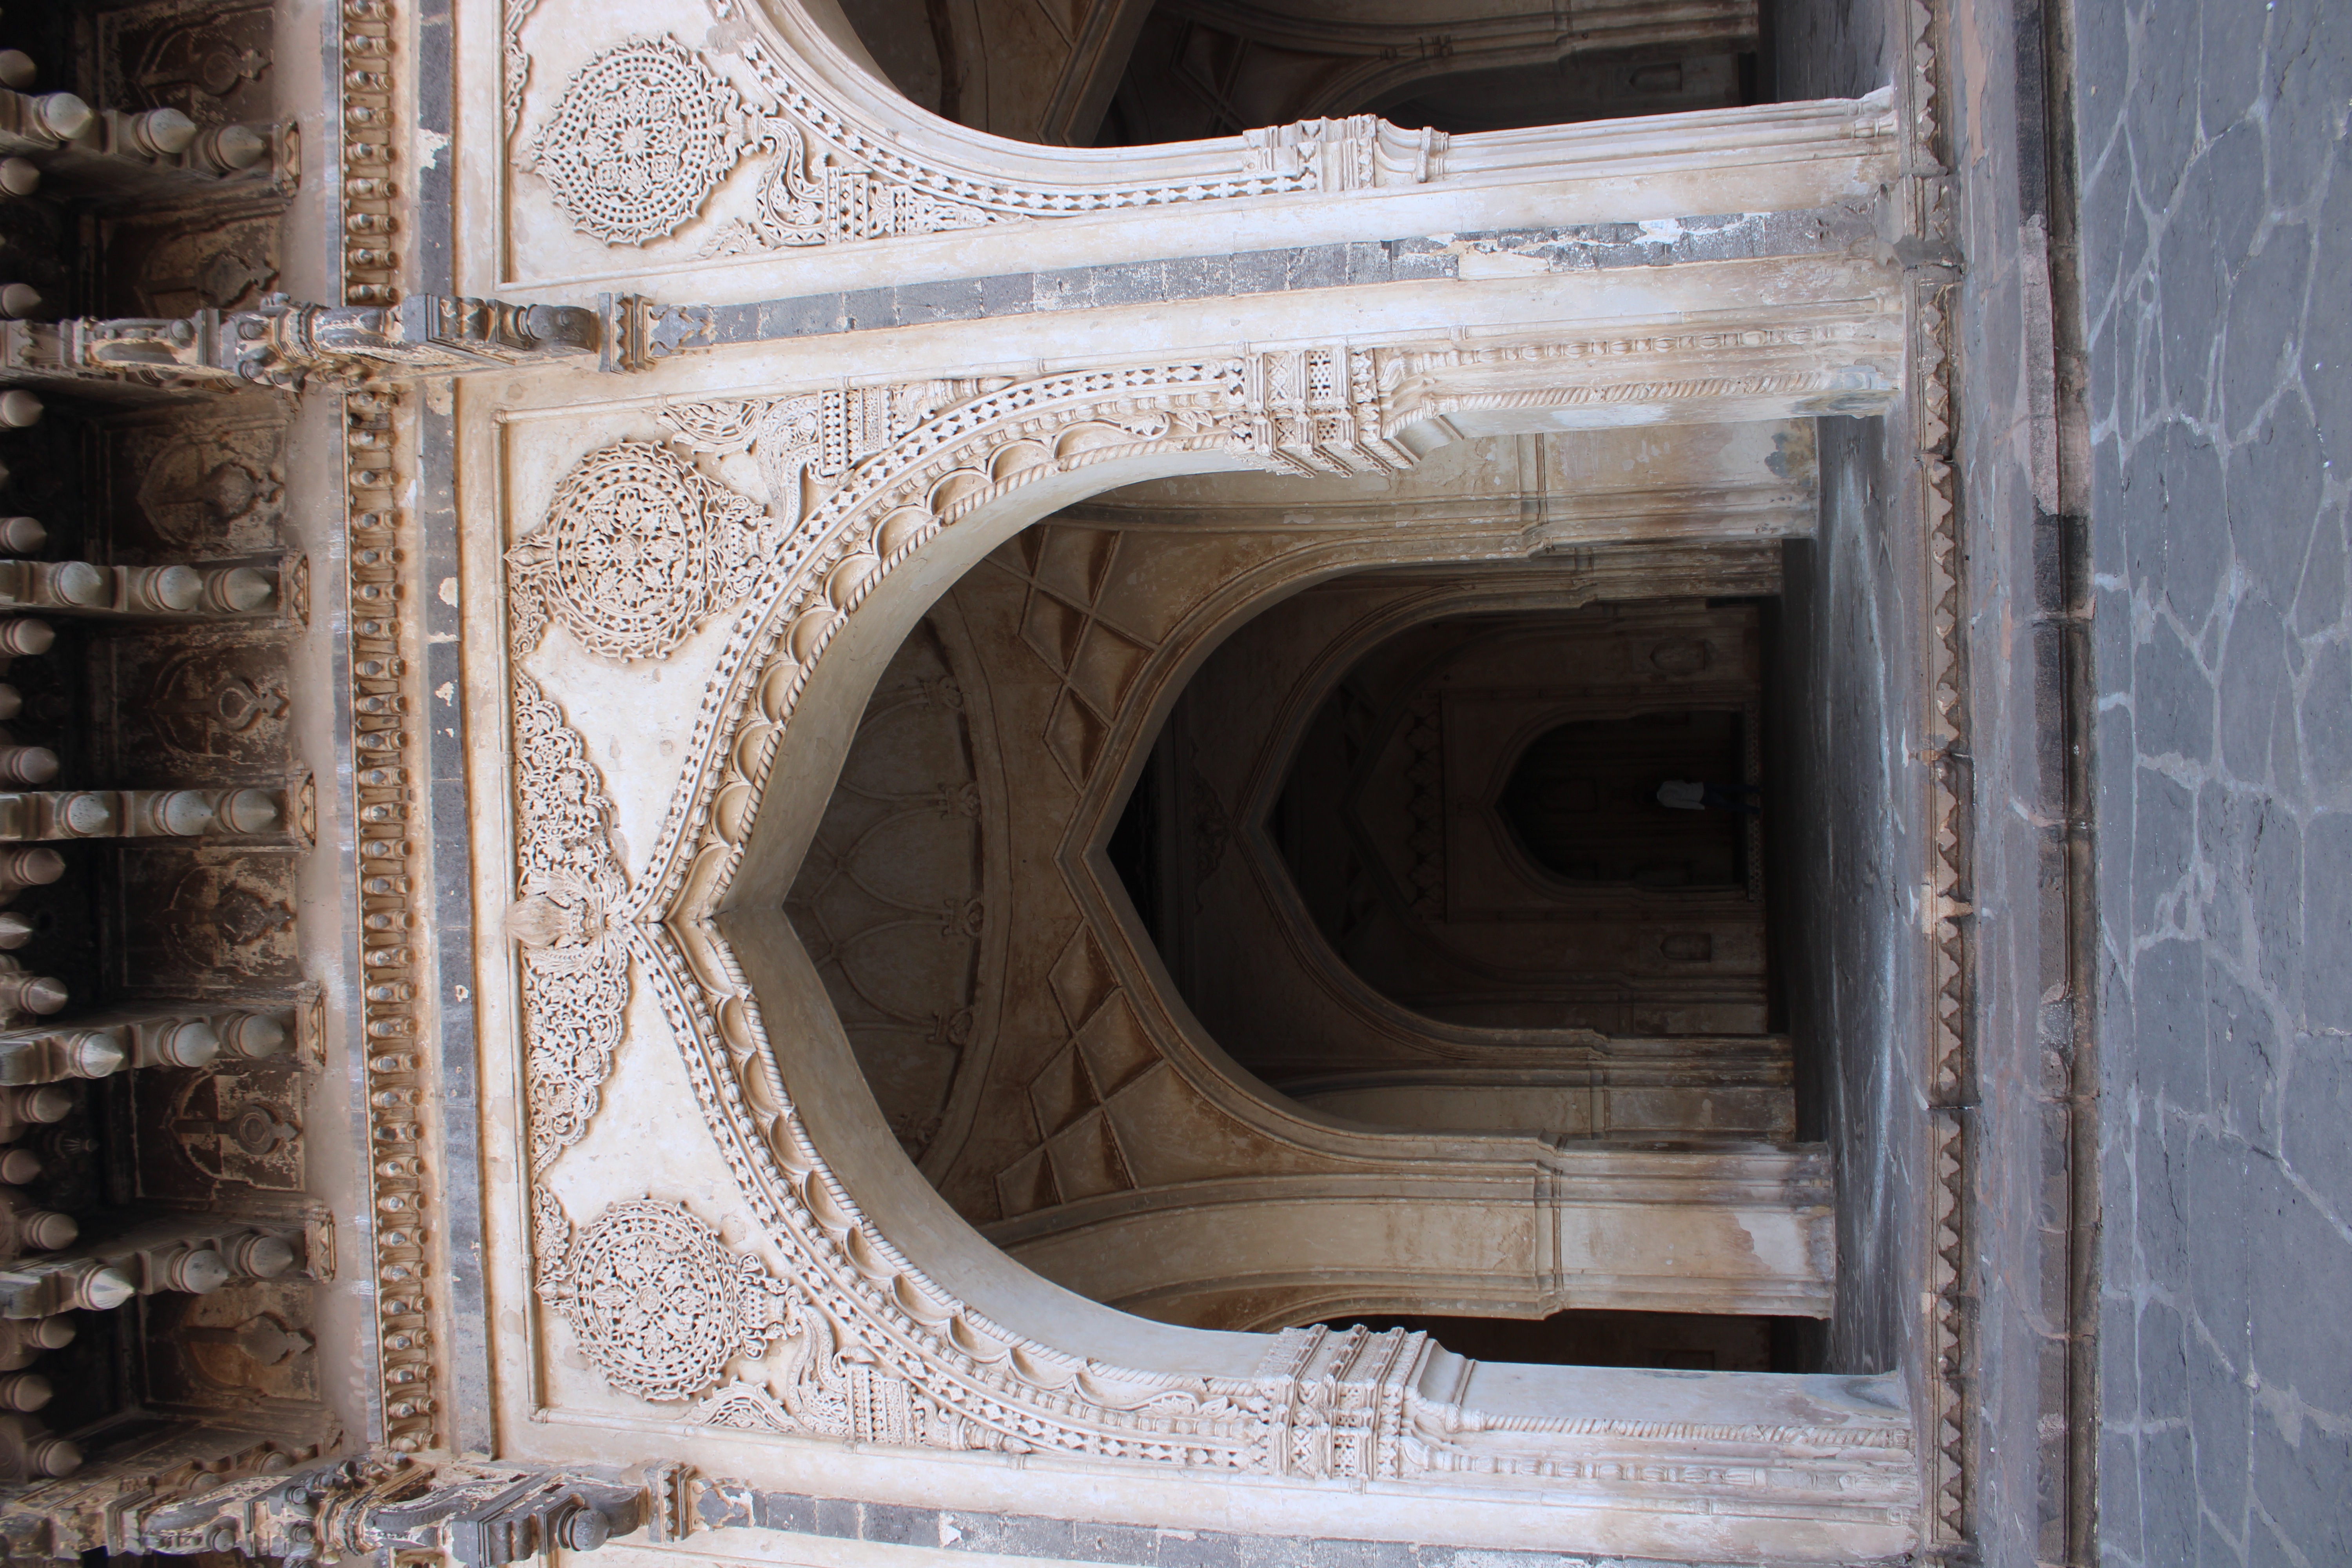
(139, 813)
(80, 588)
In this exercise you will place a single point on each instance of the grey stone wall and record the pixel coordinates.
(2217, 246)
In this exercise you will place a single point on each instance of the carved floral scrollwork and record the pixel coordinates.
(575, 963)
(657, 1301)
(636, 550)
(808, 444)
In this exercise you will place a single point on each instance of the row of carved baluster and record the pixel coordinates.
(55, 146)
(45, 1277)
(30, 819)
(113, 152)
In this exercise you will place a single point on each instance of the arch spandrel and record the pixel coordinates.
(854, 1304)
(802, 160)
(963, 1341)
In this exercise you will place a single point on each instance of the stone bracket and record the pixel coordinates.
(286, 343)
(478, 1516)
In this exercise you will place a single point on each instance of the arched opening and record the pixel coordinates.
(1229, 1207)
(1133, 72)
(1476, 817)
(1003, 899)
(1582, 801)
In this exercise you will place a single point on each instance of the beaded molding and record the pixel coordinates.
(385, 734)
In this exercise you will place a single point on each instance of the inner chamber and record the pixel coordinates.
(1130, 72)
(1388, 841)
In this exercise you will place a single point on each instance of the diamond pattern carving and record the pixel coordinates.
(1066, 624)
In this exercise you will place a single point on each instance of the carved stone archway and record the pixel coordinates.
(646, 368)
(935, 1340)
(789, 513)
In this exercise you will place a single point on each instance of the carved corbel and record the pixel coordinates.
(1358, 153)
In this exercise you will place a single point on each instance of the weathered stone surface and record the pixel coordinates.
(2217, 197)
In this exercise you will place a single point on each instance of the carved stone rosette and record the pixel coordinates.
(638, 550)
(657, 1302)
(640, 137)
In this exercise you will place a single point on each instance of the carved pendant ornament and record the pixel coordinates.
(646, 131)
(871, 1348)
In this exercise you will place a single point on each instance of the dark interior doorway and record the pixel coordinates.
(1675, 1341)
(1584, 801)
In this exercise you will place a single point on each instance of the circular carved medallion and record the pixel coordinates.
(639, 138)
(659, 1304)
(636, 550)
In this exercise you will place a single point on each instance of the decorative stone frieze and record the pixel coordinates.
(388, 746)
